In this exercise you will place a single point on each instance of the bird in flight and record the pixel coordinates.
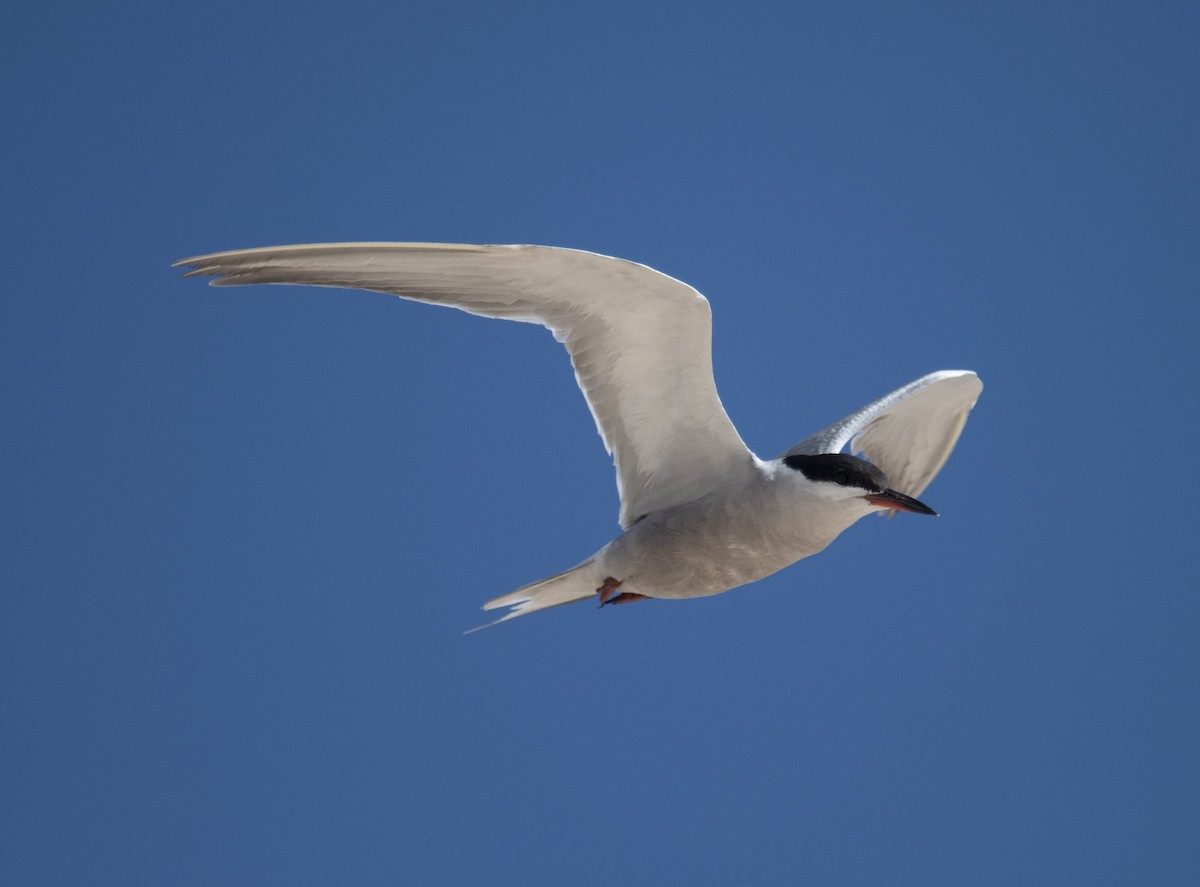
(700, 513)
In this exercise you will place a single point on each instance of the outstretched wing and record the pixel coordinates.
(909, 434)
(640, 341)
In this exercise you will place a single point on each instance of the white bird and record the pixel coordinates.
(700, 513)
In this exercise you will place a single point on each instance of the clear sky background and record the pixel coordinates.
(243, 530)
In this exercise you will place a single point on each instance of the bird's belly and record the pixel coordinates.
(682, 556)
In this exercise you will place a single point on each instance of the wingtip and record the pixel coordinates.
(195, 266)
(220, 263)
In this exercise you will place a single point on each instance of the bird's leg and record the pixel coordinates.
(608, 589)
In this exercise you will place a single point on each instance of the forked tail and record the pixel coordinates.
(576, 584)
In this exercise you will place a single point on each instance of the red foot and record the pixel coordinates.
(608, 593)
(627, 597)
(608, 589)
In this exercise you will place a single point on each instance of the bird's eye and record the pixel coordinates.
(840, 477)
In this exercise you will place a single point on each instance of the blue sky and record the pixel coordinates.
(244, 529)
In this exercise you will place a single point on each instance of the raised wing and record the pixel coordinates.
(910, 433)
(640, 341)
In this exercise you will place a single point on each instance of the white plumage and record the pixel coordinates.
(701, 513)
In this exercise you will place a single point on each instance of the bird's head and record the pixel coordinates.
(837, 477)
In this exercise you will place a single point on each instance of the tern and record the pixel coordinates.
(699, 512)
